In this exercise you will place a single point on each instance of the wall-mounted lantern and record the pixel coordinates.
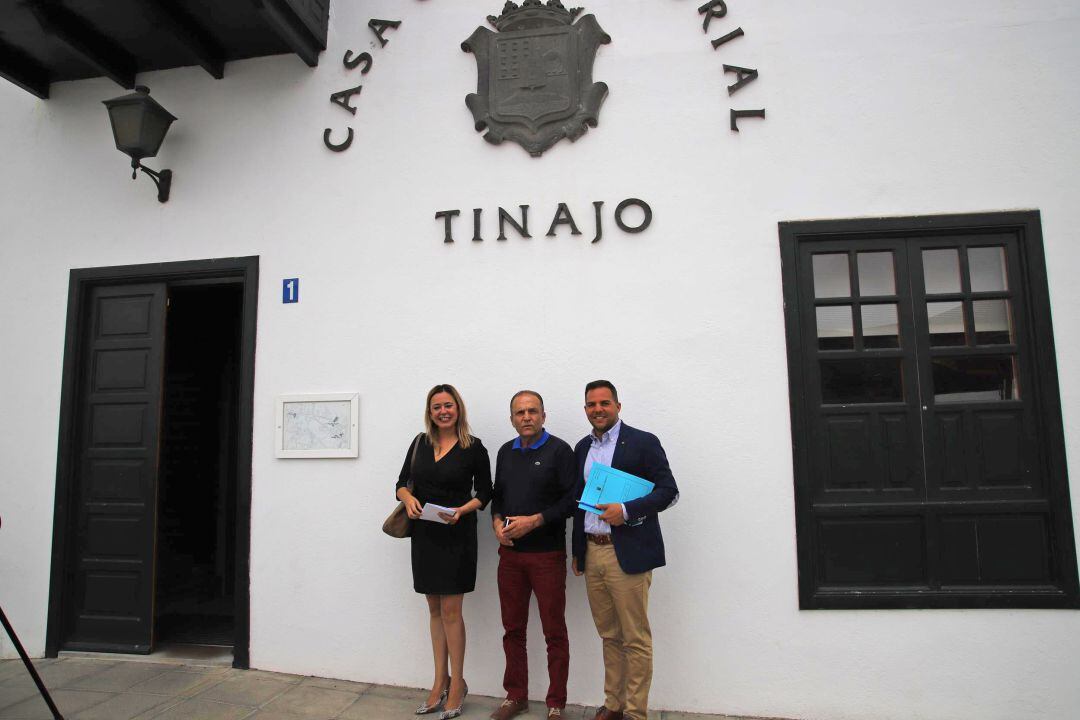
(139, 125)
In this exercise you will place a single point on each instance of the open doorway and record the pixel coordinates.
(152, 530)
(196, 548)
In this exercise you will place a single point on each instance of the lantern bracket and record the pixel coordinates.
(162, 179)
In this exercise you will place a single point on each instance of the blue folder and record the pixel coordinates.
(608, 485)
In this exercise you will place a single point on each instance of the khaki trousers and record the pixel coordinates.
(620, 609)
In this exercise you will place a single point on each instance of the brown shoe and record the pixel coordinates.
(510, 708)
(604, 714)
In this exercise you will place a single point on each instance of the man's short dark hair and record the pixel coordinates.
(519, 393)
(597, 384)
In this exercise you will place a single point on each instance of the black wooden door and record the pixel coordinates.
(110, 596)
(865, 428)
(992, 523)
(925, 473)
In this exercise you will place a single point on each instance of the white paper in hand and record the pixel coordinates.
(431, 512)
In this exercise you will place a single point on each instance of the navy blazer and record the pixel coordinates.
(639, 546)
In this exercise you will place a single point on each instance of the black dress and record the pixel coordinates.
(444, 556)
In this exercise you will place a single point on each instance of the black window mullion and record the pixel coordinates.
(878, 299)
(965, 290)
(918, 328)
(946, 351)
(856, 305)
(811, 368)
(1023, 326)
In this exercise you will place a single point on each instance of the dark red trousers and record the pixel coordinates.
(521, 575)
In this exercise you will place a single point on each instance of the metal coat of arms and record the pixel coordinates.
(534, 83)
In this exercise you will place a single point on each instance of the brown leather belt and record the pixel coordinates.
(599, 539)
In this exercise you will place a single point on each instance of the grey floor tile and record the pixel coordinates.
(308, 701)
(285, 677)
(123, 706)
(346, 685)
(11, 694)
(676, 715)
(12, 668)
(482, 705)
(69, 702)
(199, 709)
(19, 681)
(413, 695)
(245, 690)
(377, 707)
(179, 683)
(119, 677)
(274, 715)
(60, 673)
(169, 703)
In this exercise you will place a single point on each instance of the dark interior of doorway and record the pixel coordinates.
(196, 542)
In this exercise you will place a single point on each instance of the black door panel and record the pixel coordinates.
(110, 605)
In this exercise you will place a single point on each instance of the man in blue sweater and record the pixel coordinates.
(531, 499)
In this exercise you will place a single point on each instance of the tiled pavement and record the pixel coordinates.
(108, 689)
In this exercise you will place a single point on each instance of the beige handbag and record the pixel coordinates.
(398, 524)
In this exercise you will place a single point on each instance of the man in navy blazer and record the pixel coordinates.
(618, 549)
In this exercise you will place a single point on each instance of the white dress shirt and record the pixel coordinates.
(602, 450)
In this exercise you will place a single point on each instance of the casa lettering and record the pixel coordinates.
(344, 98)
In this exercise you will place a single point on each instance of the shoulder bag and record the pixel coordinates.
(398, 524)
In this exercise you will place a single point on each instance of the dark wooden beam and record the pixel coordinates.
(299, 30)
(190, 34)
(101, 52)
(24, 71)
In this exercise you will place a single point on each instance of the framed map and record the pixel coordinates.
(317, 426)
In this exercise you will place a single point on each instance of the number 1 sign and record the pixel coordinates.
(290, 290)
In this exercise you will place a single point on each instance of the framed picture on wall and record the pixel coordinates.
(317, 426)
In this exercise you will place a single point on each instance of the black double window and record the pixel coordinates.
(927, 432)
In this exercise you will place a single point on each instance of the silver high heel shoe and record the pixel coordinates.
(426, 709)
(455, 712)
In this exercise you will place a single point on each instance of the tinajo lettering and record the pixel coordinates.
(561, 217)
(343, 98)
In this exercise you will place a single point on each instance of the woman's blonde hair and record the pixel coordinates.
(463, 432)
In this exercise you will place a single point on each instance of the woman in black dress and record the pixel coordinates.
(450, 467)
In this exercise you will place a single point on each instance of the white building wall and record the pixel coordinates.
(874, 108)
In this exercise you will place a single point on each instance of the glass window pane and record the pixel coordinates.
(987, 268)
(831, 278)
(975, 379)
(873, 380)
(876, 276)
(946, 320)
(879, 327)
(941, 270)
(835, 330)
(993, 322)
